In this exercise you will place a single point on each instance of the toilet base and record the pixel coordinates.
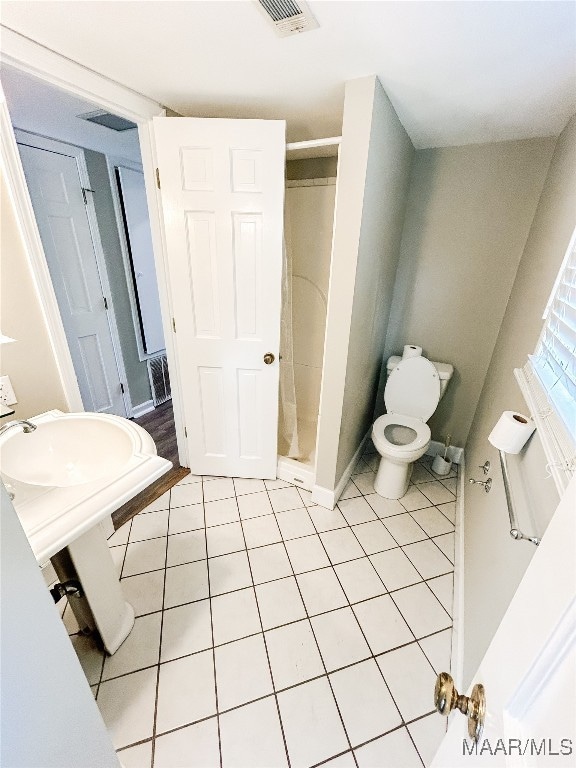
(392, 478)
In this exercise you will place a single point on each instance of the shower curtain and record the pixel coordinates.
(288, 424)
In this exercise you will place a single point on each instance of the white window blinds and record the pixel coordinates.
(555, 358)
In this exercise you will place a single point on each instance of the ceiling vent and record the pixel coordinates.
(288, 17)
(108, 120)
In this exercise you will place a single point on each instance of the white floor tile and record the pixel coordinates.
(436, 492)
(327, 519)
(136, 757)
(411, 680)
(144, 556)
(279, 602)
(361, 466)
(254, 505)
(339, 638)
(186, 691)
(365, 482)
(374, 537)
(190, 478)
(321, 591)
(269, 563)
(306, 497)
(307, 554)
(373, 461)
(162, 502)
(294, 655)
(260, 531)
(229, 572)
(427, 559)
(382, 624)
(395, 750)
(186, 630)
(384, 507)
(235, 615)
(243, 486)
(312, 726)
(449, 511)
(242, 672)
(343, 761)
(452, 484)
(192, 747)
(364, 701)
(341, 545)
(438, 650)
(89, 656)
(442, 586)
(446, 544)
(272, 485)
(404, 529)
(432, 521)
(183, 495)
(285, 498)
(186, 583)
(295, 523)
(144, 592)
(421, 610)
(414, 499)
(185, 548)
(251, 736)
(117, 554)
(121, 535)
(149, 525)
(140, 649)
(127, 706)
(395, 570)
(221, 511)
(356, 510)
(359, 579)
(420, 474)
(223, 488)
(224, 539)
(189, 518)
(427, 734)
(350, 491)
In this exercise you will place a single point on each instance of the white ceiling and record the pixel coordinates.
(456, 72)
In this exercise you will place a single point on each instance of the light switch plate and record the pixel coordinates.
(7, 396)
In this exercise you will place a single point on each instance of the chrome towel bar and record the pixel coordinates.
(515, 532)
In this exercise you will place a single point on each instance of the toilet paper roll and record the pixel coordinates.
(511, 432)
(411, 350)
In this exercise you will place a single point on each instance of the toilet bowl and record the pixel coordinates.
(413, 390)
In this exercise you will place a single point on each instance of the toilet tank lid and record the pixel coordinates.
(445, 370)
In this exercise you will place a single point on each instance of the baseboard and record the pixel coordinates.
(455, 454)
(295, 472)
(326, 498)
(457, 654)
(140, 410)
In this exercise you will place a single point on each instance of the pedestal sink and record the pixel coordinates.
(68, 475)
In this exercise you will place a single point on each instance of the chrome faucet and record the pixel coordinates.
(27, 426)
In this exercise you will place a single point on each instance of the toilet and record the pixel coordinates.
(413, 390)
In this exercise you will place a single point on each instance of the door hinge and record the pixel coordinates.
(157, 178)
(174, 325)
(122, 388)
(84, 190)
(105, 302)
(185, 431)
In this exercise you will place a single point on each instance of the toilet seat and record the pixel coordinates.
(393, 449)
(413, 389)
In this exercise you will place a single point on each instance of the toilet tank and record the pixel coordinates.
(445, 371)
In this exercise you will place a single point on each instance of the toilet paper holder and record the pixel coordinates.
(515, 532)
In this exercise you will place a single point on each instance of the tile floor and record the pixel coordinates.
(273, 632)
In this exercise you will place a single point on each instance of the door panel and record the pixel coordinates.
(223, 202)
(55, 190)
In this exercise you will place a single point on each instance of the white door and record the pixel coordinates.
(222, 189)
(59, 203)
(529, 670)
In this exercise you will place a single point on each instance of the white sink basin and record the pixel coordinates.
(67, 451)
(73, 471)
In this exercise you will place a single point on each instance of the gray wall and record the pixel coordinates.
(494, 563)
(312, 168)
(468, 215)
(136, 371)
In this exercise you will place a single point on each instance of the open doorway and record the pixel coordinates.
(84, 174)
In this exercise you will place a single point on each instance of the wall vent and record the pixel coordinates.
(288, 17)
(159, 379)
(108, 120)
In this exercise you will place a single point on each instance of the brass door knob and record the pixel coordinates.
(269, 358)
(447, 698)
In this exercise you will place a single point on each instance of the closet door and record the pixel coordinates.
(222, 190)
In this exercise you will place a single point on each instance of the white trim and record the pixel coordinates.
(457, 652)
(327, 498)
(295, 472)
(455, 454)
(313, 143)
(142, 408)
(71, 150)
